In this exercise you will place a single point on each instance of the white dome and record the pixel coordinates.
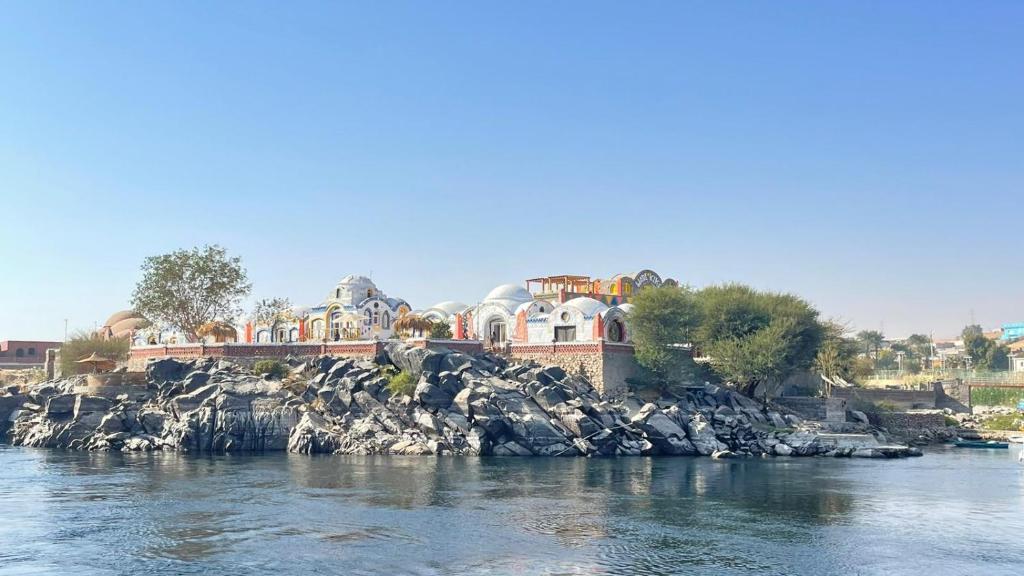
(627, 307)
(450, 307)
(587, 306)
(512, 295)
(355, 279)
(352, 290)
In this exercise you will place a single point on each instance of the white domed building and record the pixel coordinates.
(493, 319)
(355, 309)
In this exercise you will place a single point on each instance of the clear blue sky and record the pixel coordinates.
(868, 156)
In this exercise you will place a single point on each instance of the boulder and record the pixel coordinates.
(165, 370)
(702, 435)
(431, 396)
(60, 405)
(88, 404)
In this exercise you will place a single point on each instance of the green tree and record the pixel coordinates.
(756, 339)
(758, 362)
(920, 345)
(271, 312)
(871, 341)
(187, 288)
(997, 357)
(977, 347)
(440, 331)
(664, 320)
(838, 353)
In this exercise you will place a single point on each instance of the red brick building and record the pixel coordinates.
(24, 353)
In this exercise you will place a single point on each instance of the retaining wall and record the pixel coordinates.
(820, 409)
(904, 399)
(606, 365)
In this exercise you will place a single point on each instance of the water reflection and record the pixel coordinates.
(284, 514)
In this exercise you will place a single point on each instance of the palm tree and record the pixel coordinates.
(872, 341)
(413, 325)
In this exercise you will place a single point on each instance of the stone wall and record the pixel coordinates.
(606, 365)
(903, 399)
(464, 346)
(910, 423)
(820, 409)
(248, 354)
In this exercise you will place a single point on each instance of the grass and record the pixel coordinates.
(402, 383)
(275, 368)
(1004, 422)
(996, 396)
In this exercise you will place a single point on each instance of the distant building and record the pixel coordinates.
(24, 353)
(1011, 332)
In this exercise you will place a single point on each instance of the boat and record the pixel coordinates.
(1016, 439)
(981, 444)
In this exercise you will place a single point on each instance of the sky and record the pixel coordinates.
(867, 156)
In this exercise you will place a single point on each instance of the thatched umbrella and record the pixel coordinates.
(221, 331)
(413, 323)
(96, 363)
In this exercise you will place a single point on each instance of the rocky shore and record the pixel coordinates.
(462, 405)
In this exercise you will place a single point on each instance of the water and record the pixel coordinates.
(950, 512)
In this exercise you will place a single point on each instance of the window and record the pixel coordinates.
(565, 333)
(616, 331)
(20, 352)
(386, 321)
(31, 351)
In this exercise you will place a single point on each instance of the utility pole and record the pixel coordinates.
(65, 330)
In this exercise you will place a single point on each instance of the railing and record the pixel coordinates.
(973, 377)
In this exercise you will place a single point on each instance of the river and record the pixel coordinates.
(950, 512)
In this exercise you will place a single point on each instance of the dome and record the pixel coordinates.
(512, 295)
(127, 325)
(627, 308)
(587, 306)
(354, 279)
(353, 289)
(450, 307)
(119, 316)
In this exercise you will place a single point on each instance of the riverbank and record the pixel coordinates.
(461, 405)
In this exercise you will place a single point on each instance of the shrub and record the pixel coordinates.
(84, 343)
(950, 421)
(275, 368)
(441, 331)
(402, 383)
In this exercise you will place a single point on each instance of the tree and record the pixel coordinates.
(441, 331)
(272, 311)
(838, 354)
(759, 362)
(187, 288)
(664, 320)
(757, 339)
(918, 348)
(872, 341)
(984, 353)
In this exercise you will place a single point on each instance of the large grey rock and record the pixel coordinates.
(88, 404)
(165, 370)
(432, 396)
(61, 404)
(667, 436)
(702, 435)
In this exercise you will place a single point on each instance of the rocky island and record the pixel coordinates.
(463, 404)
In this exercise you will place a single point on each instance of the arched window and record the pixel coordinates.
(616, 331)
(386, 321)
(20, 353)
(31, 351)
